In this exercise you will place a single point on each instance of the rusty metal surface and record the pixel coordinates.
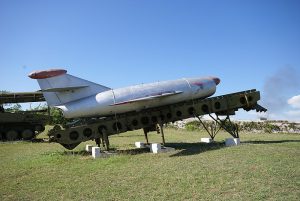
(21, 97)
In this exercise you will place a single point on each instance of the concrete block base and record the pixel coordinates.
(140, 144)
(88, 148)
(206, 140)
(155, 148)
(96, 152)
(232, 142)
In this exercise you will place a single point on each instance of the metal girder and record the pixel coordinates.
(214, 128)
(227, 125)
(21, 97)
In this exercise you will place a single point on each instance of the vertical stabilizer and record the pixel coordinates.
(59, 88)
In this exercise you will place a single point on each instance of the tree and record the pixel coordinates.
(14, 107)
(57, 116)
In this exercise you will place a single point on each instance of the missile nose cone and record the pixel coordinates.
(216, 80)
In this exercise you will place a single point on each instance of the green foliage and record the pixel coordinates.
(250, 126)
(55, 113)
(193, 125)
(57, 116)
(38, 107)
(13, 108)
(270, 128)
(292, 126)
(266, 127)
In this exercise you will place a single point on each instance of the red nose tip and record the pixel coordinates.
(217, 80)
(46, 73)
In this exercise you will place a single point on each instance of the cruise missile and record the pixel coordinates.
(77, 97)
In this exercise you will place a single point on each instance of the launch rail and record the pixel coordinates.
(152, 119)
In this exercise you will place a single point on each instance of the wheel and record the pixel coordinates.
(27, 134)
(11, 135)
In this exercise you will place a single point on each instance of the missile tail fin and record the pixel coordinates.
(59, 88)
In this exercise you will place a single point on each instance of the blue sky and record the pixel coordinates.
(120, 43)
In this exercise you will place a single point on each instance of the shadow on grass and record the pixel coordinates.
(76, 153)
(112, 151)
(21, 140)
(38, 140)
(269, 142)
(128, 136)
(194, 148)
(67, 153)
(134, 151)
(186, 149)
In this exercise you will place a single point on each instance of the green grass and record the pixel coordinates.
(264, 167)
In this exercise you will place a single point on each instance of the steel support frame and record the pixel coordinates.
(214, 129)
(159, 130)
(226, 124)
(103, 138)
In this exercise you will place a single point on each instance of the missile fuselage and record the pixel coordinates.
(116, 101)
(79, 98)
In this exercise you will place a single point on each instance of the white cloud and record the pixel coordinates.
(294, 101)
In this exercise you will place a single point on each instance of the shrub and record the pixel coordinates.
(193, 125)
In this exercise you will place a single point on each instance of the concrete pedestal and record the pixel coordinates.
(88, 148)
(155, 148)
(96, 152)
(140, 144)
(206, 140)
(232, 142)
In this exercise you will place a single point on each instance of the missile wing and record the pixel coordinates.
(150, 97)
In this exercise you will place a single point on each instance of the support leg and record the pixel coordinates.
(227, 125)
(213, 128)
(146, 135)
(102, 140)
(162, 134)
(97, 140)
(105, 139)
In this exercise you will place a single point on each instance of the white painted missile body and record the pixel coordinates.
(80, 98)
